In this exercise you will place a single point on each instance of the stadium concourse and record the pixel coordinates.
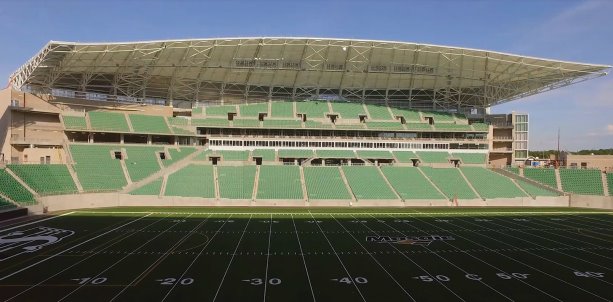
(299, 169)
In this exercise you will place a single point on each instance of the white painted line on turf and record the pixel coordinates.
(303, 260)
(35, 221)
(339, 259)
(267, 258)
(231, 260)
(373, 258)
(71, 248)
(195, 258)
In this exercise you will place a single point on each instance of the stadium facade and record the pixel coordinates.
(273, 100)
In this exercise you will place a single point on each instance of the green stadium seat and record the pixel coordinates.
(335, 154)
(108, 121)
(481, 127)
(233, 155)
(450, 181)
(348, 110)
(236, 182)
(490, 184)
(374, 154)
(295, 153)
(253, 110)
(367, 183)
(279, 182)
(610, 183)
(451, 127)
(219, 110)
(534, 190)
(245, 123)
(178, 121)
(325, 183)
(149, 124)
(6, 205)
(191, 181)
(440, 117)
(378, 112)
(265, 154)
(177, 155)
(317, 125)
(350, 126)
(287, 124)
(282, 110)
(46, 179)
(405, 156)
(152, 188)
(12, 189)
(74, 122)
(204, 156)
(582, 181)
(142, 161)
(418, 126)
(512, 169)
(211, 122)
(470, 158)
(384, 125)
(410, 116)
(432, 157)
(313, 109)
(409, 183)
(542, 175)
(96, 168)
(181, 131)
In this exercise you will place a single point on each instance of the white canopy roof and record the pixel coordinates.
(277, 67)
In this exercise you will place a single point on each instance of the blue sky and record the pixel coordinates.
(566, 30)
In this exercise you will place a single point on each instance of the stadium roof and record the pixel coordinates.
(277, 67)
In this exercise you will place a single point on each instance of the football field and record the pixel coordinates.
(299, 254)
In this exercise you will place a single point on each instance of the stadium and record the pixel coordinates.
(349, 169)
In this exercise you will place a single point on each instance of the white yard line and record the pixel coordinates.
(119, 261)
(231, 259)
(86, 258)
(71, 248)
(521, 262)
(204, 212)
(195, 258)
(339, 258)
(37, 221)
(476, 258)
(267, 258)
(374, 259)
(303, 260)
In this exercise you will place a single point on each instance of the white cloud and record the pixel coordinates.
(610, 129)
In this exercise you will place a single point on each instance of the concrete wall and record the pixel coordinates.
(588, 201)
(103, 200)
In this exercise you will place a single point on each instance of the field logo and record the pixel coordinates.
(408, 240)
(28, 241)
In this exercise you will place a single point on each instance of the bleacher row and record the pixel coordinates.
(406, 157)
(278, 115)
(284, 182)
(578, 181)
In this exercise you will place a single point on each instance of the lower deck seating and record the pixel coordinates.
(582, 181)
(410, 184)
(325, 183)
(405, 156)
(490, 184)
(295, 153)
(96, 168)
(367, 183)
(191, 181)
(335, 154)
(534, 190)
(152, 188)
(265, 154)
(5, 204)
(142, 161)
(236, 182)
(374, 154)
(176, 155)
(149, 124)
(470, 158)
(12, 189)
(279, 182)
(450, 181)
(74, 122)
(253, 110)
(108, 121)
(542, 175)
(610, 183)
(232, 155)
(431, 157)
(46, 179)
(513, 170)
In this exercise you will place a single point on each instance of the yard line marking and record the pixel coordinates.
(546, 223)
(267, 258)
(231, 259)
(482, 261)
(519, 261)
(556, 250)
(586, 227)
(339, 258)
(35, 221)
(303, 260)
(118, 261)
(88, 257)
(195, 258)
(160, 259)
(374, 259)
(70, 248)
(503, 213)
(419, 266)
